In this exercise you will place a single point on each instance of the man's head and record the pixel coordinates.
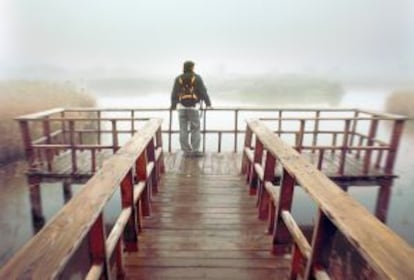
(188, 66)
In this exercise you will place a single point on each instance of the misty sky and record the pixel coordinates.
(222, 36)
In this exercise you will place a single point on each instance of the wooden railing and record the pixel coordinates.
(383, 254)
(78, 231)
(317, 130)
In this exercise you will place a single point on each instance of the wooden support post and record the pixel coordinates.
(27, 142)
(300, 135)
(97, 238)
(141, 175)
(67, 190)
(72, 145)
(169, 130)
(204, 130)
(48, 140)
(264, 198)
(353, 129)
(247, 144)
(151, 158)
(120, 273)
(236, 129)
(334, 137)
(161, 164)
(130, 235)
(383, 200)
(344, 148)
(315, 130)
(320, 158)
(99, 135)
(38, 220)
(297, 266)
(394, 143)
(115, 145)
(281, 237)
(323, 233)
(132, 122)
(219, 141)
(258, 156)
(371, 136)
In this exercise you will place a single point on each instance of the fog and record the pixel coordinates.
(351, 41)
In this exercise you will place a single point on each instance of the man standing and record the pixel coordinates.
(187, 93)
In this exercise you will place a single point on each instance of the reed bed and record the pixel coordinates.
(401, 102)
(24, 97)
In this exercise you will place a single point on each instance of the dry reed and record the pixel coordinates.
(24, 97)
(401, 102)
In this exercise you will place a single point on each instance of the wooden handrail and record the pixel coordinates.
(389, 255)
(47, 253)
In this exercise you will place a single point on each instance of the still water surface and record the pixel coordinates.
(15, 220)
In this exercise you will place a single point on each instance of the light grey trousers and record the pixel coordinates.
(189, 118)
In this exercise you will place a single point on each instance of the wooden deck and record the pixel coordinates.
(204, 225)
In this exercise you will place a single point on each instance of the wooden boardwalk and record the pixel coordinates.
(204, 225)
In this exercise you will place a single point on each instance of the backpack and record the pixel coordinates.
(187, 96)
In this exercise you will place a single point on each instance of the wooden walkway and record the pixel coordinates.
(204, 225)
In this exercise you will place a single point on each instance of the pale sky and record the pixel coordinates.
(224, 36)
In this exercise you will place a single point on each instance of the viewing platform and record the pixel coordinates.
(226, 215)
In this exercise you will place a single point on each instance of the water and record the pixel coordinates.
(15, 220)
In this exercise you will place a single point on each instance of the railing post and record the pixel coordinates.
(97, 238)
(394, 143)
(315, 130)
(27, 142)
(114, 136)
(130, 235)
(72, 145)
(353, 129)
(141, 175)
(323, 234)
(161, 164)
(247, 144)
(268, 176)
(169, 130)
(204, 129)
(150, 150)
(46, 134)
(281, 235)
(236, 128)
(344, 148)
(36, 203)
(99, 127)
(370, 142)
(299, 139)
(383, 200)
(132, 122)
(257, 158)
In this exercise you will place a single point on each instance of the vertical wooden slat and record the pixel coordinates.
(236, 129)
(46, 134)
(258, 156)
(204, 129)
(72, 145)
(170, 129)
(323, 234)
(158, 137)
(371, 136)
(219, 141)
(315, 130)
(99, 135)
(27, 142)
(320, 158)
(151, 158)
(132, 122)
(281, 235)
(300, 135)
(353, 129)
(120, 273)
(394, 143)
(264, 198)
(280, 122)
(115, 144)
(36, 203)
(141, 175)
(360, 143)
(247, 144)
(130, 235)
(344, 147)
(67, 190)
(334, 137)
(97, 238)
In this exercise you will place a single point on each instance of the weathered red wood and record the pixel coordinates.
(394, 143)
(247, 144)
(36, 203)
(323, 233)
(72, 144)
(264, 198)
(141, 175)
(151, 158)
(130, 235)
(27, 141)
(97, 245)
(370, 141)
(281, 236)
(257, 158)
(114, 135)
(344, 148)
(383, 200)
